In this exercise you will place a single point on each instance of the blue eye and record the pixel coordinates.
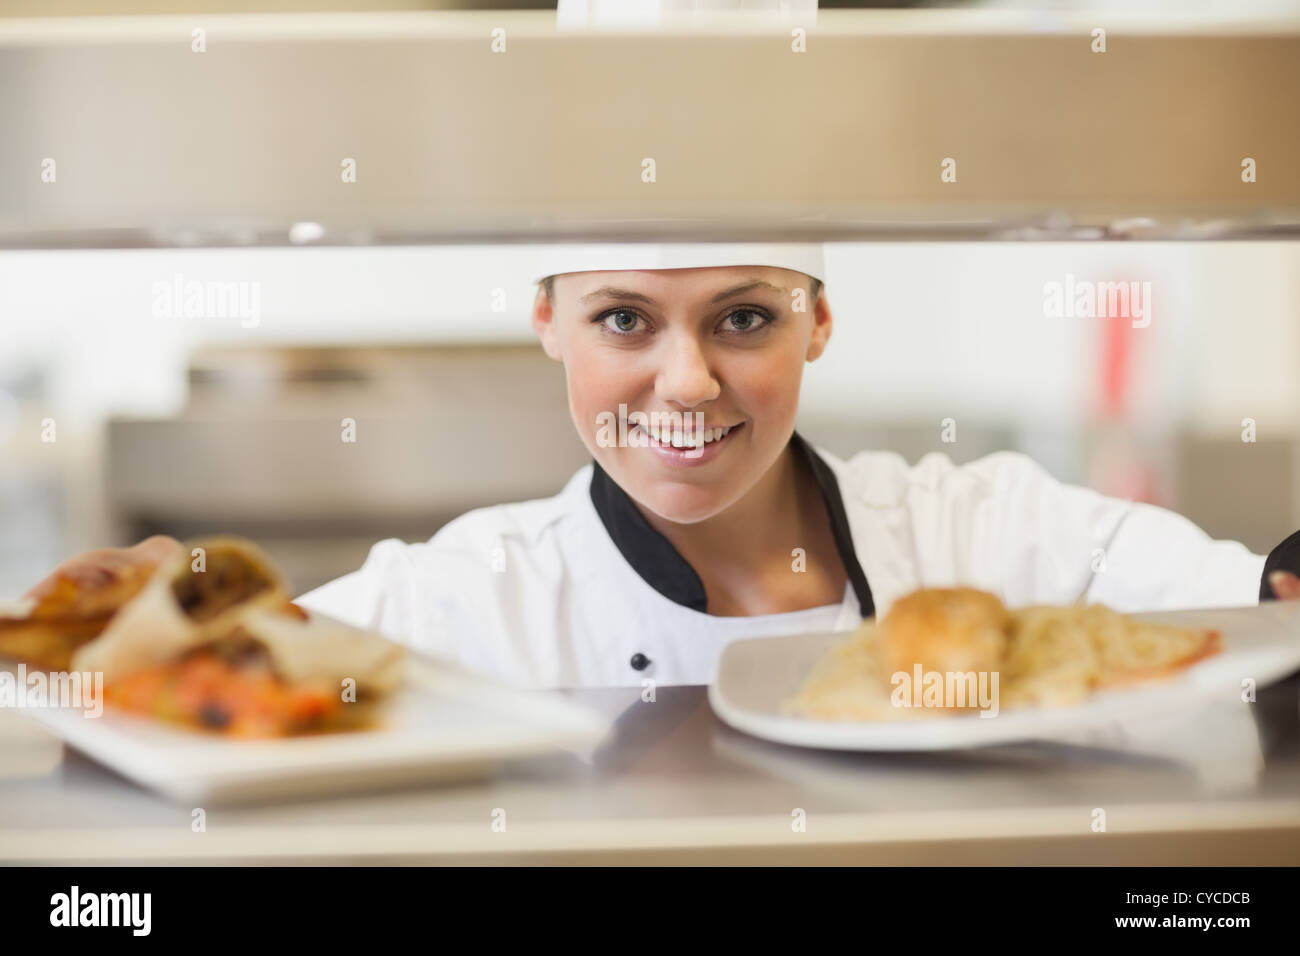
(747, 320)
(620, 321)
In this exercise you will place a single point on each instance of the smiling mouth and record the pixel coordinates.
(683, 441)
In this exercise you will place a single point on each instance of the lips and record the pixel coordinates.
(691, 456)
(689, 438)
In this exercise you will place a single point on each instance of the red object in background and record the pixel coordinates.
(1118, 467)
(1116, 353)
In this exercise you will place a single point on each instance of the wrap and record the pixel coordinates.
(188, 601)
(323, 651)
(47, 631)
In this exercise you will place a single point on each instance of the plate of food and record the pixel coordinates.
(952, 668)
(200, 679)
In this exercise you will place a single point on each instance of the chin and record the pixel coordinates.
(682, 503)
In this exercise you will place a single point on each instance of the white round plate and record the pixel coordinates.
(756, 675)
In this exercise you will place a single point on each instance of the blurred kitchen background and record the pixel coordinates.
(120, 418)
(194, 425)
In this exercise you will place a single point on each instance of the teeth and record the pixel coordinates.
(679, 439)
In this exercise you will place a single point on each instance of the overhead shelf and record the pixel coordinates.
(154, 144)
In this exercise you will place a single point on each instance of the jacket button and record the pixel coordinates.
(640, 661)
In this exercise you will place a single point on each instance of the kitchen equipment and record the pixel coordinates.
(260, 448)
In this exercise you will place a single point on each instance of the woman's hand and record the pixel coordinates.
(1285, 585)
(104, 566)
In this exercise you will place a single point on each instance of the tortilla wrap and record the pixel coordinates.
(325, 651)
(181, 607)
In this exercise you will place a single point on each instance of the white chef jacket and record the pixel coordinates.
(579, 590)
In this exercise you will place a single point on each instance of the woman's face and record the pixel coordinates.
(649, 353)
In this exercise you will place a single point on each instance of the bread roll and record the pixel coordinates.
(953, 630)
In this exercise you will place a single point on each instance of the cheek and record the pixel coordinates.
(767, 383)
(598, 382)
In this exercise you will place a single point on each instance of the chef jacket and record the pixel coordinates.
(580, 590)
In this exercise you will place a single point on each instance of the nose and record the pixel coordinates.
(684, 376)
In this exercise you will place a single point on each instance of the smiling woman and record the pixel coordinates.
(704, 517)
(721, 345)
(708, 518)
(725, 347)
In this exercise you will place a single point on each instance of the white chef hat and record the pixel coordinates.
(805, 257)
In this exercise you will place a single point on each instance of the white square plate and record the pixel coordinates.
(757, 674)
(440, 724)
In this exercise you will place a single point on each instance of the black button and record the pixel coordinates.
(640, 661)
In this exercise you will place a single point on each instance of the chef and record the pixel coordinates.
(710, 519)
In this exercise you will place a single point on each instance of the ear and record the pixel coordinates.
(544, 324)
(821, 330)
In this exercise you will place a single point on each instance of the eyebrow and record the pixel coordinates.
(613, 292)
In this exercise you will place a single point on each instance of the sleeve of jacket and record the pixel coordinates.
(397, 592)
(1065, 542)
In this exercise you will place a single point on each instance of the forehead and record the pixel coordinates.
(661, 285)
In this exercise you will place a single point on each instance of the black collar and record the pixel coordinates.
(661, 566)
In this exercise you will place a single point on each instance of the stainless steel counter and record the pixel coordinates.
(671, 784)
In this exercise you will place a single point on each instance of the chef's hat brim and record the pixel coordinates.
(805, 257)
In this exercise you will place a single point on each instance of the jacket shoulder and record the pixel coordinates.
(885, 479)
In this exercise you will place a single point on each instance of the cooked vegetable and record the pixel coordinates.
(232, 689)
